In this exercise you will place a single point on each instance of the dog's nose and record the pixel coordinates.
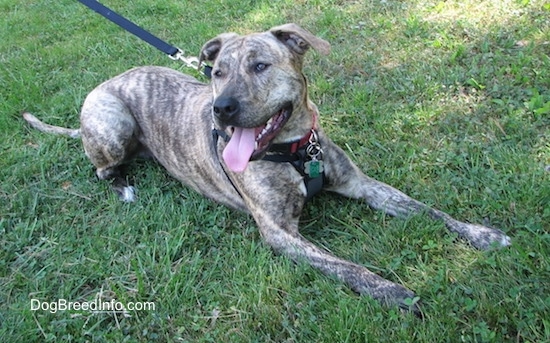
(226, 108)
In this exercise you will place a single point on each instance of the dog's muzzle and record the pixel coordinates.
(247, 143)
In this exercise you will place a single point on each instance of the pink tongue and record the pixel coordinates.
(239, 149)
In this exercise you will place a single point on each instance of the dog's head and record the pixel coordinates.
(260, 93)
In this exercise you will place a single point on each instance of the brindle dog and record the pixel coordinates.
(267, 143)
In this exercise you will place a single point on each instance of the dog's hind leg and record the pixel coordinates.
(109, 136)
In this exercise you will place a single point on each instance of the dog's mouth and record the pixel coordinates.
(247, 144)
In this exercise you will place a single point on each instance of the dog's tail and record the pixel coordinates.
(41, 126)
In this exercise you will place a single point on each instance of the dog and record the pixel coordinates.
(251, 139)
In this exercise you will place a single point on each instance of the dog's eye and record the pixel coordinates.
(260, 67)
(217, 73)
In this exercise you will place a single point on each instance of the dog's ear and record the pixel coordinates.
(210, 49)
(299, 40)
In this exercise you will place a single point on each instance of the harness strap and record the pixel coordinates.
(298, 159)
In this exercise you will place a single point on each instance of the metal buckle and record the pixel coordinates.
(191, 62)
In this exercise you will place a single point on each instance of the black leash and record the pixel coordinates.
(173, 52)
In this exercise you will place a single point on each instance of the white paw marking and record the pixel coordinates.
(505, 241)
(128, 194)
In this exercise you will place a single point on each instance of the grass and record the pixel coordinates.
(448, 101)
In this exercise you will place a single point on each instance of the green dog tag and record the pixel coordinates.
(313, 168)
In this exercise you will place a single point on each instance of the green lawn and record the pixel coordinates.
(448, 101)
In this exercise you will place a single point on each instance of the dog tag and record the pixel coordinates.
(313, 168)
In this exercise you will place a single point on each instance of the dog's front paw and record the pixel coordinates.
(126, 193)
(396, 295)
(483, 237)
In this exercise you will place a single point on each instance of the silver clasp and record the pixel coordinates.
(191, 62)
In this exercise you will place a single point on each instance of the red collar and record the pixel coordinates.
(293, 147)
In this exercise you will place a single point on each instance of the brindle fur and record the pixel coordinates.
(169, 115)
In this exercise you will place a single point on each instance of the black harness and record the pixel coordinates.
(305, 155)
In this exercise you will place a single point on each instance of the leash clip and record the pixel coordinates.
(191, 62)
